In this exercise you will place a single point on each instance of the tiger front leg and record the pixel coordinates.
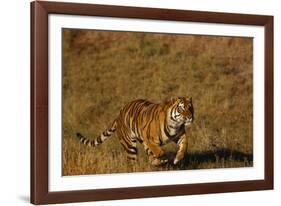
(155, 153)
(182, 144)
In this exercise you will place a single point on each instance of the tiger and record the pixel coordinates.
(152, 125)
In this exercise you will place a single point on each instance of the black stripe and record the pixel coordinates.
(127, 140)
(133, 148)
(167, 133)
(147, 151)
(99, 141)
(105, 134)
(152, 115)
(161, 142)
(82, 139)
(79, 135)
(171, 114)
(129, 149)
(135, 152)
(85, 141)
(112, 129)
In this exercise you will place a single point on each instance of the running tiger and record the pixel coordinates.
(152, 125)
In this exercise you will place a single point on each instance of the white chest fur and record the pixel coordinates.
(171, 129)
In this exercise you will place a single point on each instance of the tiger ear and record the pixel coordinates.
(189, 99)
(171, 99)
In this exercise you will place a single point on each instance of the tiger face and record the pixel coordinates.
(182, 111)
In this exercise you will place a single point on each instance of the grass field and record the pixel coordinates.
(102, 71)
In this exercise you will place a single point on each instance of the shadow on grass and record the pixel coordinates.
(218, 158)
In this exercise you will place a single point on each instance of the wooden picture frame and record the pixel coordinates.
(40, 193)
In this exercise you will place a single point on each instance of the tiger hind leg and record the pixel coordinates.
(131, 150)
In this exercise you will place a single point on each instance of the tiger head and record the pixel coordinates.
(182, 111)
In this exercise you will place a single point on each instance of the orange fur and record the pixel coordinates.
(152, 125)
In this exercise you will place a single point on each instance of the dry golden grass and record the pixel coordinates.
(102, 71)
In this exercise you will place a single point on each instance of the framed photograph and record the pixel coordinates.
(131, 102)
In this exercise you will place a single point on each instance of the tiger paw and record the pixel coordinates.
(176, 161)
(158, 162)
(178, 158)
(159, 154)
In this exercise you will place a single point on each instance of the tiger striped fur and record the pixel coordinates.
(152, 125)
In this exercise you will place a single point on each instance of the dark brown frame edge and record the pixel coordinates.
(39, 102)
